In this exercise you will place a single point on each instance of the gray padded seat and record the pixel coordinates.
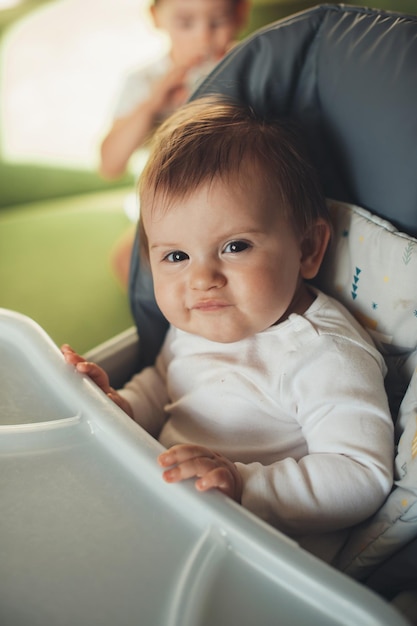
(348, 75)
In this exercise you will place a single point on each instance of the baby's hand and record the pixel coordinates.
(97, 375)
(212, 470)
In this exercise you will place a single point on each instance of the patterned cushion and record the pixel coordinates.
(395, 524)
(372, 269)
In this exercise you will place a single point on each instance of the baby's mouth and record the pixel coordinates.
(210, 305)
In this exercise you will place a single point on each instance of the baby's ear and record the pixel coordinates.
(313, 248)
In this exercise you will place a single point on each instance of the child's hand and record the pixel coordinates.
(213, 470)
(173, 89)
(97, 375)
(170, 91)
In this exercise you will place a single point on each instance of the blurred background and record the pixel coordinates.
(62, 63)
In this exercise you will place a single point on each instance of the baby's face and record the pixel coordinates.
(199, 30)
(226, 264)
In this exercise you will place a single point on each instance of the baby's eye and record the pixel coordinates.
(176, 257)
(236, 246)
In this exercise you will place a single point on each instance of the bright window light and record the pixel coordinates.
(62, 69)
(9, 4)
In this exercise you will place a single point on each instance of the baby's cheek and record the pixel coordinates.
(163, 298)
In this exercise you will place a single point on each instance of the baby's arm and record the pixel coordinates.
(212, 470)
(97, 375)
(346, 470)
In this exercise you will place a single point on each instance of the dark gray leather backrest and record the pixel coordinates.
(349, 76)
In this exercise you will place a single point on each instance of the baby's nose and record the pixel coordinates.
(204, 277)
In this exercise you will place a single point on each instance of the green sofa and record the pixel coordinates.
(55, 265)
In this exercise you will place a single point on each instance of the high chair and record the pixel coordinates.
(348, 76)
(90, 534)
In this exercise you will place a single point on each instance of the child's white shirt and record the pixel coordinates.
(301, 408)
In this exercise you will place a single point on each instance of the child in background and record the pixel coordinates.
(200, 33)
(265, 388)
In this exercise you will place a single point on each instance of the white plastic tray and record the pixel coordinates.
(91, 535)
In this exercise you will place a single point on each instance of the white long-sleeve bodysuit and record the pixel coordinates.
(301, 408)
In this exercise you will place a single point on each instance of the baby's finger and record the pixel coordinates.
(96, 373)
(197, 467)
(183, 452)
(219, 478)
(70, 355)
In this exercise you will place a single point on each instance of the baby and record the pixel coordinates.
(265, 388)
